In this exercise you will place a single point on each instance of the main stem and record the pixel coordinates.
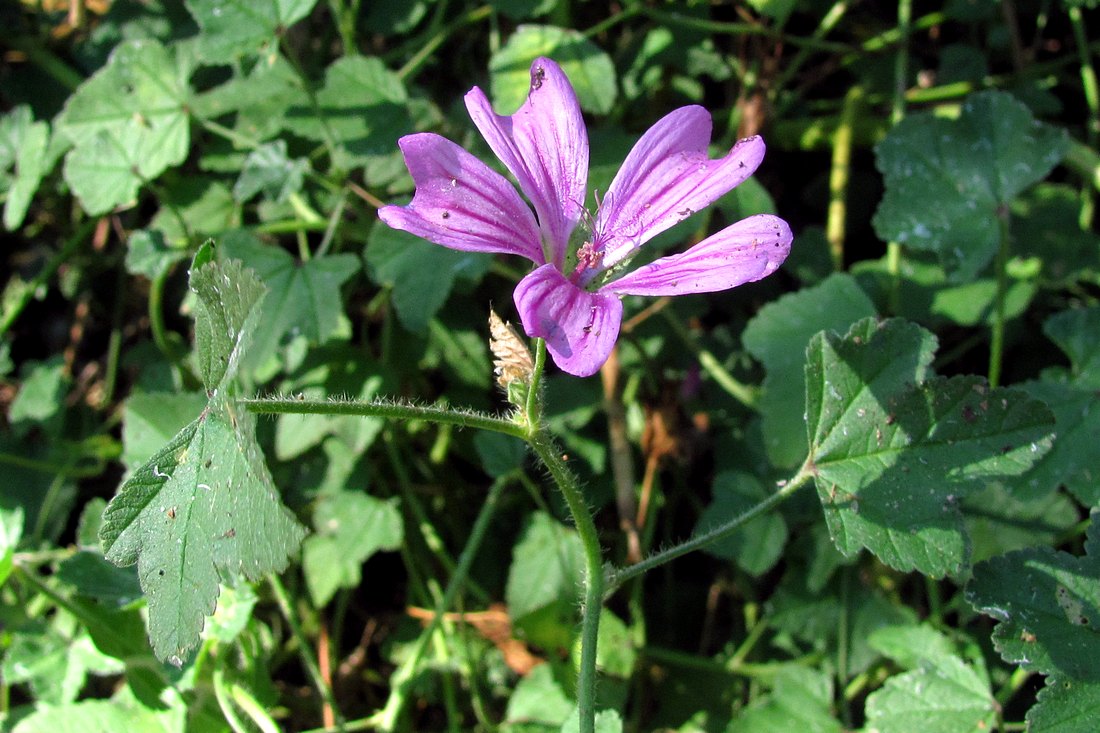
(547, 452)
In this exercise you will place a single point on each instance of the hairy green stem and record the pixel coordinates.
(621, 575)
(388, 410)
(548, 453)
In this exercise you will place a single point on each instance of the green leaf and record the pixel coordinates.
(227, 314)
(1074, 331)
(128, 123)
(259, 98)
(948, 180)
(295, 434)
(361, 110)
(234, 28)
(304, 297)
(1071, 462)
(1068, 253)
(893, 449)
(800, 699)
(91, 716)
(757, 545)
(500, 454)
(268, 170)
(777, 336)
(589, 69)
(204, 507)
(151, 419)
(23, 145)
(944, 696)
(1065, 706)
(537, 703)
(1000, 520)
(148, 254)
(349, 528)
(1047, 605)
(40, 396)
(421, 274)
(546, 563)
(90, 576)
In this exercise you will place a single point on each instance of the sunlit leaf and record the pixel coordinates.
(23, 148)
(128, 123)
(893, 449)
(204, 507)
(233, 28)
(777, 336)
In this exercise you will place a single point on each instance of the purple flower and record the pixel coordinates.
(573, 297)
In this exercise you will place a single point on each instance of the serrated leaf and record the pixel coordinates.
(944, 696)
(23, 146)
(421, 274)
(349, 528)
(1000, 519)
(589, 69)
(233, 28)
(1047, 604)
(754, 547)
(268, 170)
(893, 452)
(128, 123)
(948, 180)
(303, 297)
(203, 508)
(777, 336)
(1071, 462)
(227, 314)
(361, 110)
(1065, 706)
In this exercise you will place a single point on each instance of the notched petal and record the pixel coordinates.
(749, 250)
(461, 203)
(580, 328)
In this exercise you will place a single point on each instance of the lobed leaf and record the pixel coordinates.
(204, 508)
(1047, 605)
(948, 181)
(128, 123)
(234, 28)
(894, 450)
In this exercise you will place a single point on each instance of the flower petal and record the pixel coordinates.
(746, 251)
(545, 146)
(461, 203)
(666, 178)
(580, 327)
